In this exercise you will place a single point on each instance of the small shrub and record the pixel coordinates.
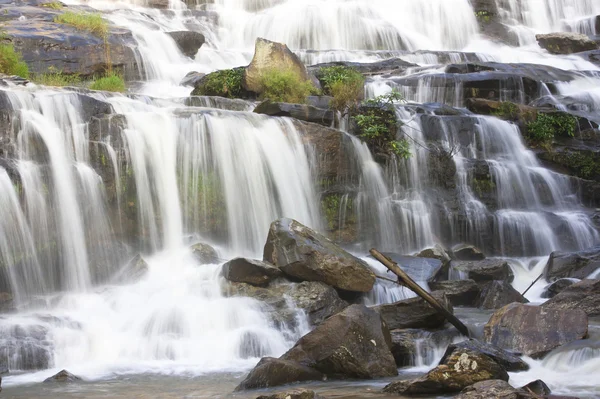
(507, 110)
(11, 62)
(284, 86)
(111, 82)
(345, 84)
(56, 78)
(91, 22)
(224, 83)
(547, 126)
(55, 5)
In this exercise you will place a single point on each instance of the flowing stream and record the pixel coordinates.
(193, 172)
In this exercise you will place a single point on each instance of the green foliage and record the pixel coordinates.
(333, 206)
(547, 126)
(55, 5)
(377, 125)
(224, 83)
(345, 84)
(11, 62)
(483, 16)
(56, 78)
(91, 22)
(285, 86)
(111, 82)
(507, 110)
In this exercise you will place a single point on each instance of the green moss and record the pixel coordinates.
(483, 186)
(345, 84)
(11, 62)
(224, 83)
(111, 82)
(331, 206)
(91, 22)
(507, 110)
(285, 86)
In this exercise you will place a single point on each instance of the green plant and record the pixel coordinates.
(284, 86)
(224, 83)
(547, 126)
(56, 78)
(110, 82)
(91, 22)
(506, 109)
(345, 84)
(483, 16)
(11, 62)
(55, 5)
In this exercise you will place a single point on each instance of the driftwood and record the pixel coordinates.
(404, 279)
(532, 284)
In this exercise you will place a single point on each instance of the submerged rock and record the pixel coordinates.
(537, 387)
(490, 389)
(582, 296)
(205, 254)
(534, 330)
(302, 253)
(189, 42)
(565, 42)
(295, 394)
(551, 290)
(133, 271)
(484, 270)
(413, 313)
(63, 376)
(458, 292)
(461, 369)
(271, 372)
(506, 359)
(354, 343)
(302, 112)
(578, 264)
(495, 294)
(436, 252)
(251, 271)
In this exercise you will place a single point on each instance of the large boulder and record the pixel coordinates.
(63, 376)
(565, 42)
(414, 313)
(354, 343)
(461, 369)
(435, 252)
(467, 252)
(584, 296)
(495, 294)
(271, 372)
(572, 264)
(553, 289)
(303, 112)
(458, 292)
(317, 300)
(188, 41)
(490, 389)
(269, 56)
(484, 270)
(204, 253)
(534, 330)
(506, 359)
(294, 394)
(302, 253)
(250, 271)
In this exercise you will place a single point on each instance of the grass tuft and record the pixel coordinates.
(11, 62)
(91, 22)
(285, 86)
(55, 5)
(111, 82)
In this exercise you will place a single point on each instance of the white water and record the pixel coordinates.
(176, 319)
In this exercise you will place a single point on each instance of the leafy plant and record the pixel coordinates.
(224, 83)
(345, 84)
(11, 62)
(111, 82)
(285, 86)
(506, 109)
(546, 126)
(91, 22)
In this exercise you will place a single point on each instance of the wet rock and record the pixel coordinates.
(534, 330)
(231, 104)
(467, 252)
(578, 264)
(205, 254)
(271, 372)
(566, 42)
(418, 268)
(6, 302)
(133, 271)
(354, 343)
(188, 41)
(495, 294)
(191, 79)
(63, 376)
(270, 55)
(413, 313)
(461, 369)
(502, 109)
(436, 252)
(506, 359)
(409, 345)
(537, 387)
(303, 112)
(251, 346)
(250, 271)
(295, 394)
(484, 270)
(490, 389)
(582, 296)
(317, 299)
(551, 290)
(458, 292)
(390, 66)
(302, 253)
(25, 347)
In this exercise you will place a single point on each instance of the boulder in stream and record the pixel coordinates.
(490, 389)
(582, 296)
(63, 376)
(205, 254)
(250, 271)
(484, 270)
(534, 330)
(565, 42)
(555, 288)
(304, 254)
(506, 359)
(578, 264)
(271, 372)
(302, 112)
(293, 394)
(458, 292)
(467, 252)
(495, 294)
(414, 313)
(189, 42)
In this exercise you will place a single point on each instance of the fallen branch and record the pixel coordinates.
(532, 284)
(404, 279)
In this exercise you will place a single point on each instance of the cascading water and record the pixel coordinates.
(172, 174)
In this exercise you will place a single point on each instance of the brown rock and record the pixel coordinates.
(584, 295)
(250, 271)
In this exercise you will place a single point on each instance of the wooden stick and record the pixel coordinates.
(410, 283)
(531, 285)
